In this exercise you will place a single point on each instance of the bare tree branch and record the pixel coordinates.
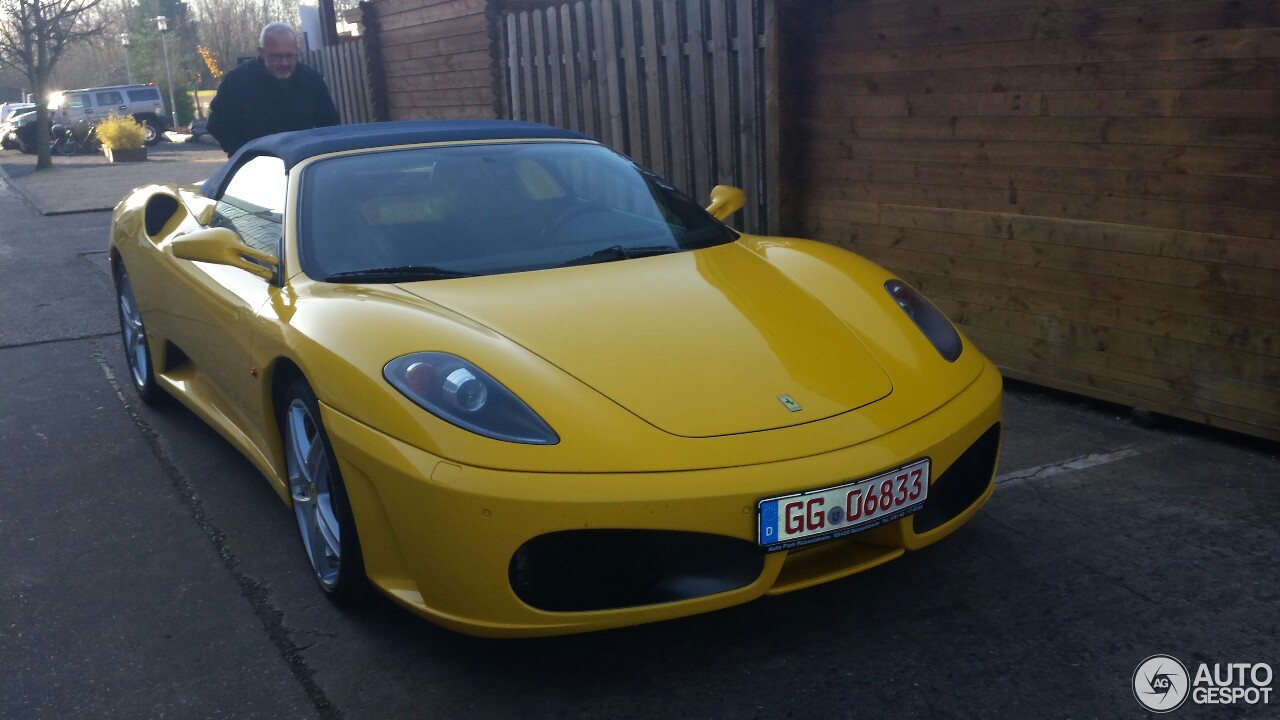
(33, 36)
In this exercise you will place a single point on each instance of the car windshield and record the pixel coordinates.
(467, 210)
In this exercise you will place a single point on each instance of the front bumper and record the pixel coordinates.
(446, 540)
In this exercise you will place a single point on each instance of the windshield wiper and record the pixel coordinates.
(617, 252)
(399, 273)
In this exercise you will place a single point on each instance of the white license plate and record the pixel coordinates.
(790, 521)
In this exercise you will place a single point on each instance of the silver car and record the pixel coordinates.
(93, 105)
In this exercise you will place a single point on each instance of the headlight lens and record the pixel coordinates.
(928, 318)
(462, 394)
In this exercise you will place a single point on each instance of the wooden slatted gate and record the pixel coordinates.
(687, 88)
(346, 71)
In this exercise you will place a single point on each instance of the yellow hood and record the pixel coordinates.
(698, 344)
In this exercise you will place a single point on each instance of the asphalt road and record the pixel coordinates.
(150, 572)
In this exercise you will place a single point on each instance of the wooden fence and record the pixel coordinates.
(346, 71)
(1090, 188)
(687, 88)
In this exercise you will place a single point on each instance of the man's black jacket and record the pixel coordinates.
(251, 103)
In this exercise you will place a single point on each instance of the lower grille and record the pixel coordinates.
(961, 485)
(581, 570)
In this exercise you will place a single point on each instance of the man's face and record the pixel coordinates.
(280, 53)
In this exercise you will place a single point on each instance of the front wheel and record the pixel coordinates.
(66, 146)
(320, 503)
(137, 352)
(26, 138)
(153, 132)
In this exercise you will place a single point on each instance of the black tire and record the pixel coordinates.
(326, 524)
(137, 349)
(155, 133)
(66, 146)
(26, 137)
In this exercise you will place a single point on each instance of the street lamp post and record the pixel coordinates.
(162, 24)
(128, 69)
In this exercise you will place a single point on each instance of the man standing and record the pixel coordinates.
(272, 94)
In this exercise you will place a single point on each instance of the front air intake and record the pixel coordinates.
(582, 570)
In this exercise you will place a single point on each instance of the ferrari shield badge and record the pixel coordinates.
(789, 403)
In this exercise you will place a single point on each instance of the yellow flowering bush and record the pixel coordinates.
(121, 131)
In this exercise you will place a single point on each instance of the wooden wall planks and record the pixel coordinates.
(438, 58)
(1091, 189)
(345, 68)
(686, 87)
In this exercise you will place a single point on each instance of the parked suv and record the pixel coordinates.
(93, 105)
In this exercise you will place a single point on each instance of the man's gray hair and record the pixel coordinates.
(276, 27)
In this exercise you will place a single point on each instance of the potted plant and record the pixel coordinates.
(122, 139)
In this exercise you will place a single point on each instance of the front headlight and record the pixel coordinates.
(928, 318)
(462, 394)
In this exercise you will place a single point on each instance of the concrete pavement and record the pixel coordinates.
(115, 601)
(87, 182)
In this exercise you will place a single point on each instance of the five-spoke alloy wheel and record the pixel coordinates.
(134, 334)
(325, 521)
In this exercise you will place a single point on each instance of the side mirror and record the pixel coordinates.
(725, 201)
(224, 247)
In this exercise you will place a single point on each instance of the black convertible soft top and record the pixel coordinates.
(294, 147)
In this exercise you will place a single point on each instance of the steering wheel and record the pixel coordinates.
(381, 248)
(357, 244)
(578, 208)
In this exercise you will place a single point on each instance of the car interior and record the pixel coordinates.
(477, 210)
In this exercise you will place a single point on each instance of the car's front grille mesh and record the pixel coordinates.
(962, 483)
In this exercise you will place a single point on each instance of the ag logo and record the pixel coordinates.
(1161, 683)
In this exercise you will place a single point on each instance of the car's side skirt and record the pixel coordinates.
(189, 387)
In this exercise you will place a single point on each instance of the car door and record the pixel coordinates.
(106, 102)
(76, 108)
(219, 303)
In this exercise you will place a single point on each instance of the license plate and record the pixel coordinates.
(790, 521)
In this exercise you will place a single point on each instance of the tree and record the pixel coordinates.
(33, 36)
(229, 28)
(146, 51)
(100, 60)
(13, 84)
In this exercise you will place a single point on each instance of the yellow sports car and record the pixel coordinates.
(523, 386)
